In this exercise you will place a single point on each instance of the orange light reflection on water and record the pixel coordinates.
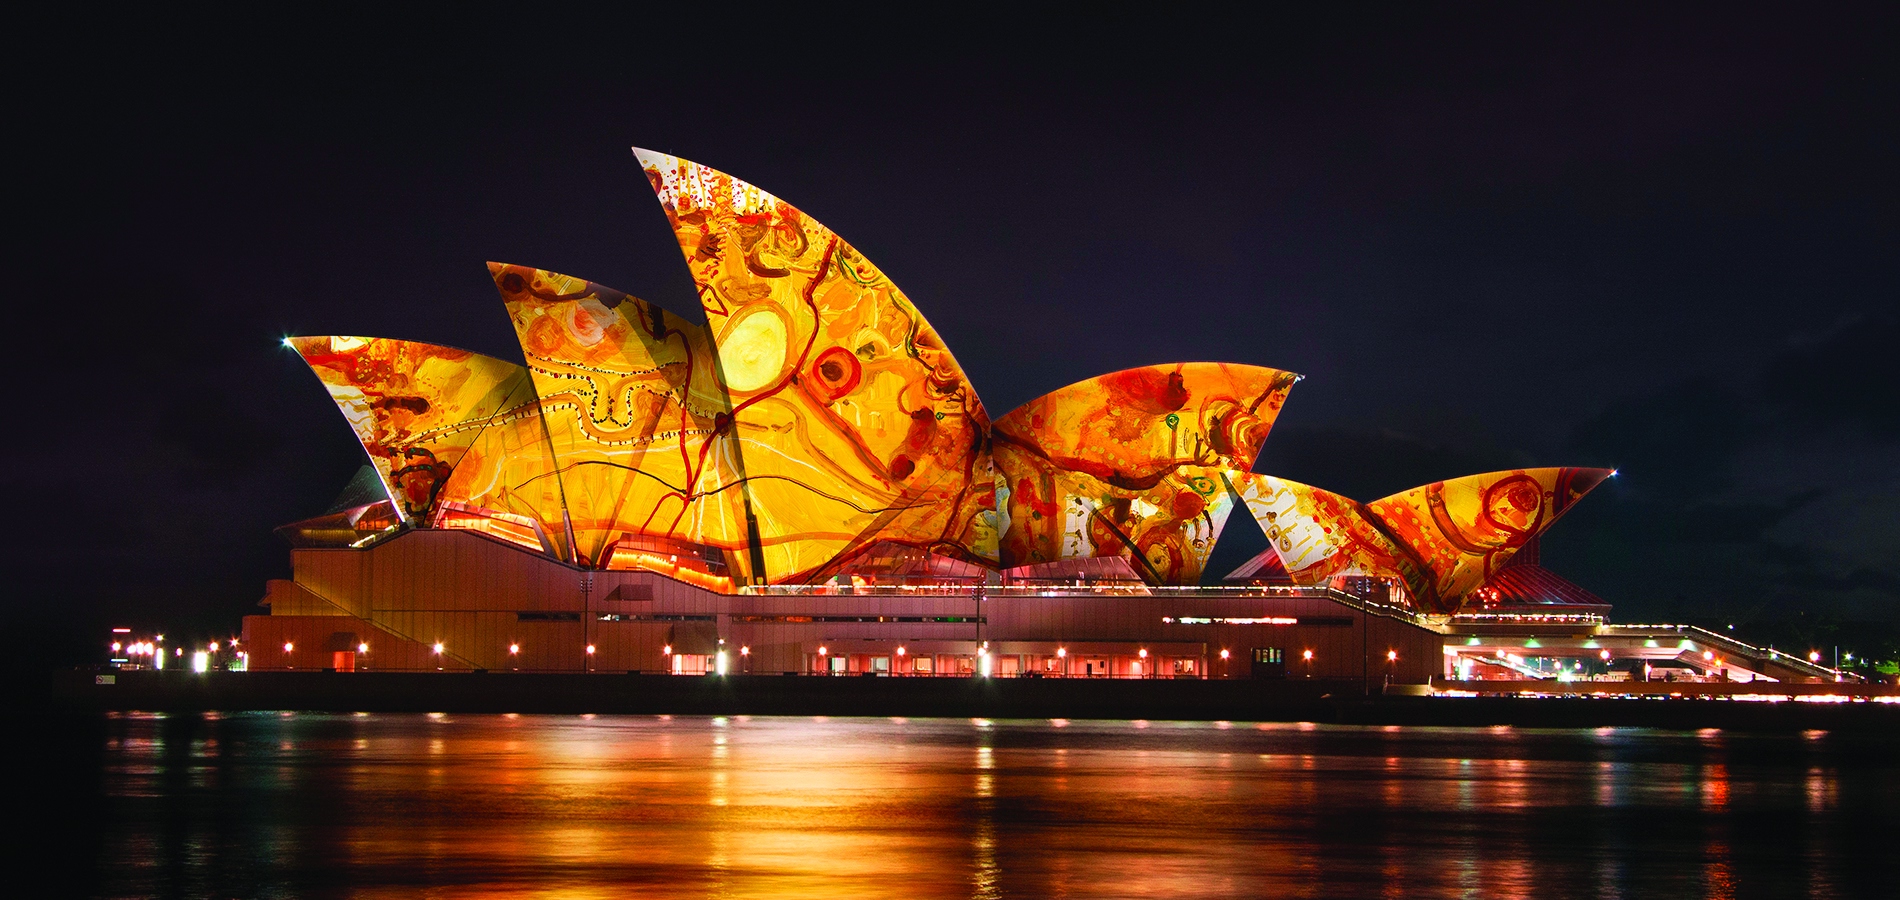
(494, 806)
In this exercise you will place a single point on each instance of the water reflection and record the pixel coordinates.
(583, 806)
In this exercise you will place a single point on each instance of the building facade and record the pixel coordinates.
(808, 482)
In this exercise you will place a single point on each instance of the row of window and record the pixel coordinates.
(1308, 621)
(766, 620)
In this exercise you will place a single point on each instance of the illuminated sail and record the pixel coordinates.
(442, 426)
(854, 421)
(634, 413)
(1440, 541)
(1131, 464)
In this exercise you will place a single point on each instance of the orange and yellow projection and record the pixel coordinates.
(817, 426)
(1131, 464)
(442, 425)
(1441, 541)
(634, 413)
(855, 422)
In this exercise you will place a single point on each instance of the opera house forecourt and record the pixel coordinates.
(809, 484)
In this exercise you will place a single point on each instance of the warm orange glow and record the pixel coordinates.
(1605, 654)
(1062, 652)
(853, 419)
(288, 647)
(631, 401)
(438, 648)
(1223, 654)
(823, 651)
(514, 649)
(1391, 656)
(668, 565)
(1441, 541)
(1129, 465)
(900, 651)
(1308, 656)
(1143, 653)
(437, 423)
(666, 650)
(517, 530)
(590, 649)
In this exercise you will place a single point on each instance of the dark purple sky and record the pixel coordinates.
(1662, 239)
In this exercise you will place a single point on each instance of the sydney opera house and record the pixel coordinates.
(808, 483)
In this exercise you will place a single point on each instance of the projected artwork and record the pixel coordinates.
(1131, 464)
(634, 413)
(1441, 540)
(817, 428)
(442, 425)
(854, 421)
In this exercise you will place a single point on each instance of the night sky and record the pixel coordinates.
(1662, 240)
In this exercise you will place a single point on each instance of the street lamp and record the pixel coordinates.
(900, 661)
(824, 660)
(1223, 662)
(745, 658)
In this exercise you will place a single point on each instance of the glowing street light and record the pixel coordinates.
(1391, 656)
(362, 648)
(438, 648)
(514, 649)
(288, 646)
(590, 649)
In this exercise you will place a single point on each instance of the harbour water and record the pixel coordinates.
(404, 805)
